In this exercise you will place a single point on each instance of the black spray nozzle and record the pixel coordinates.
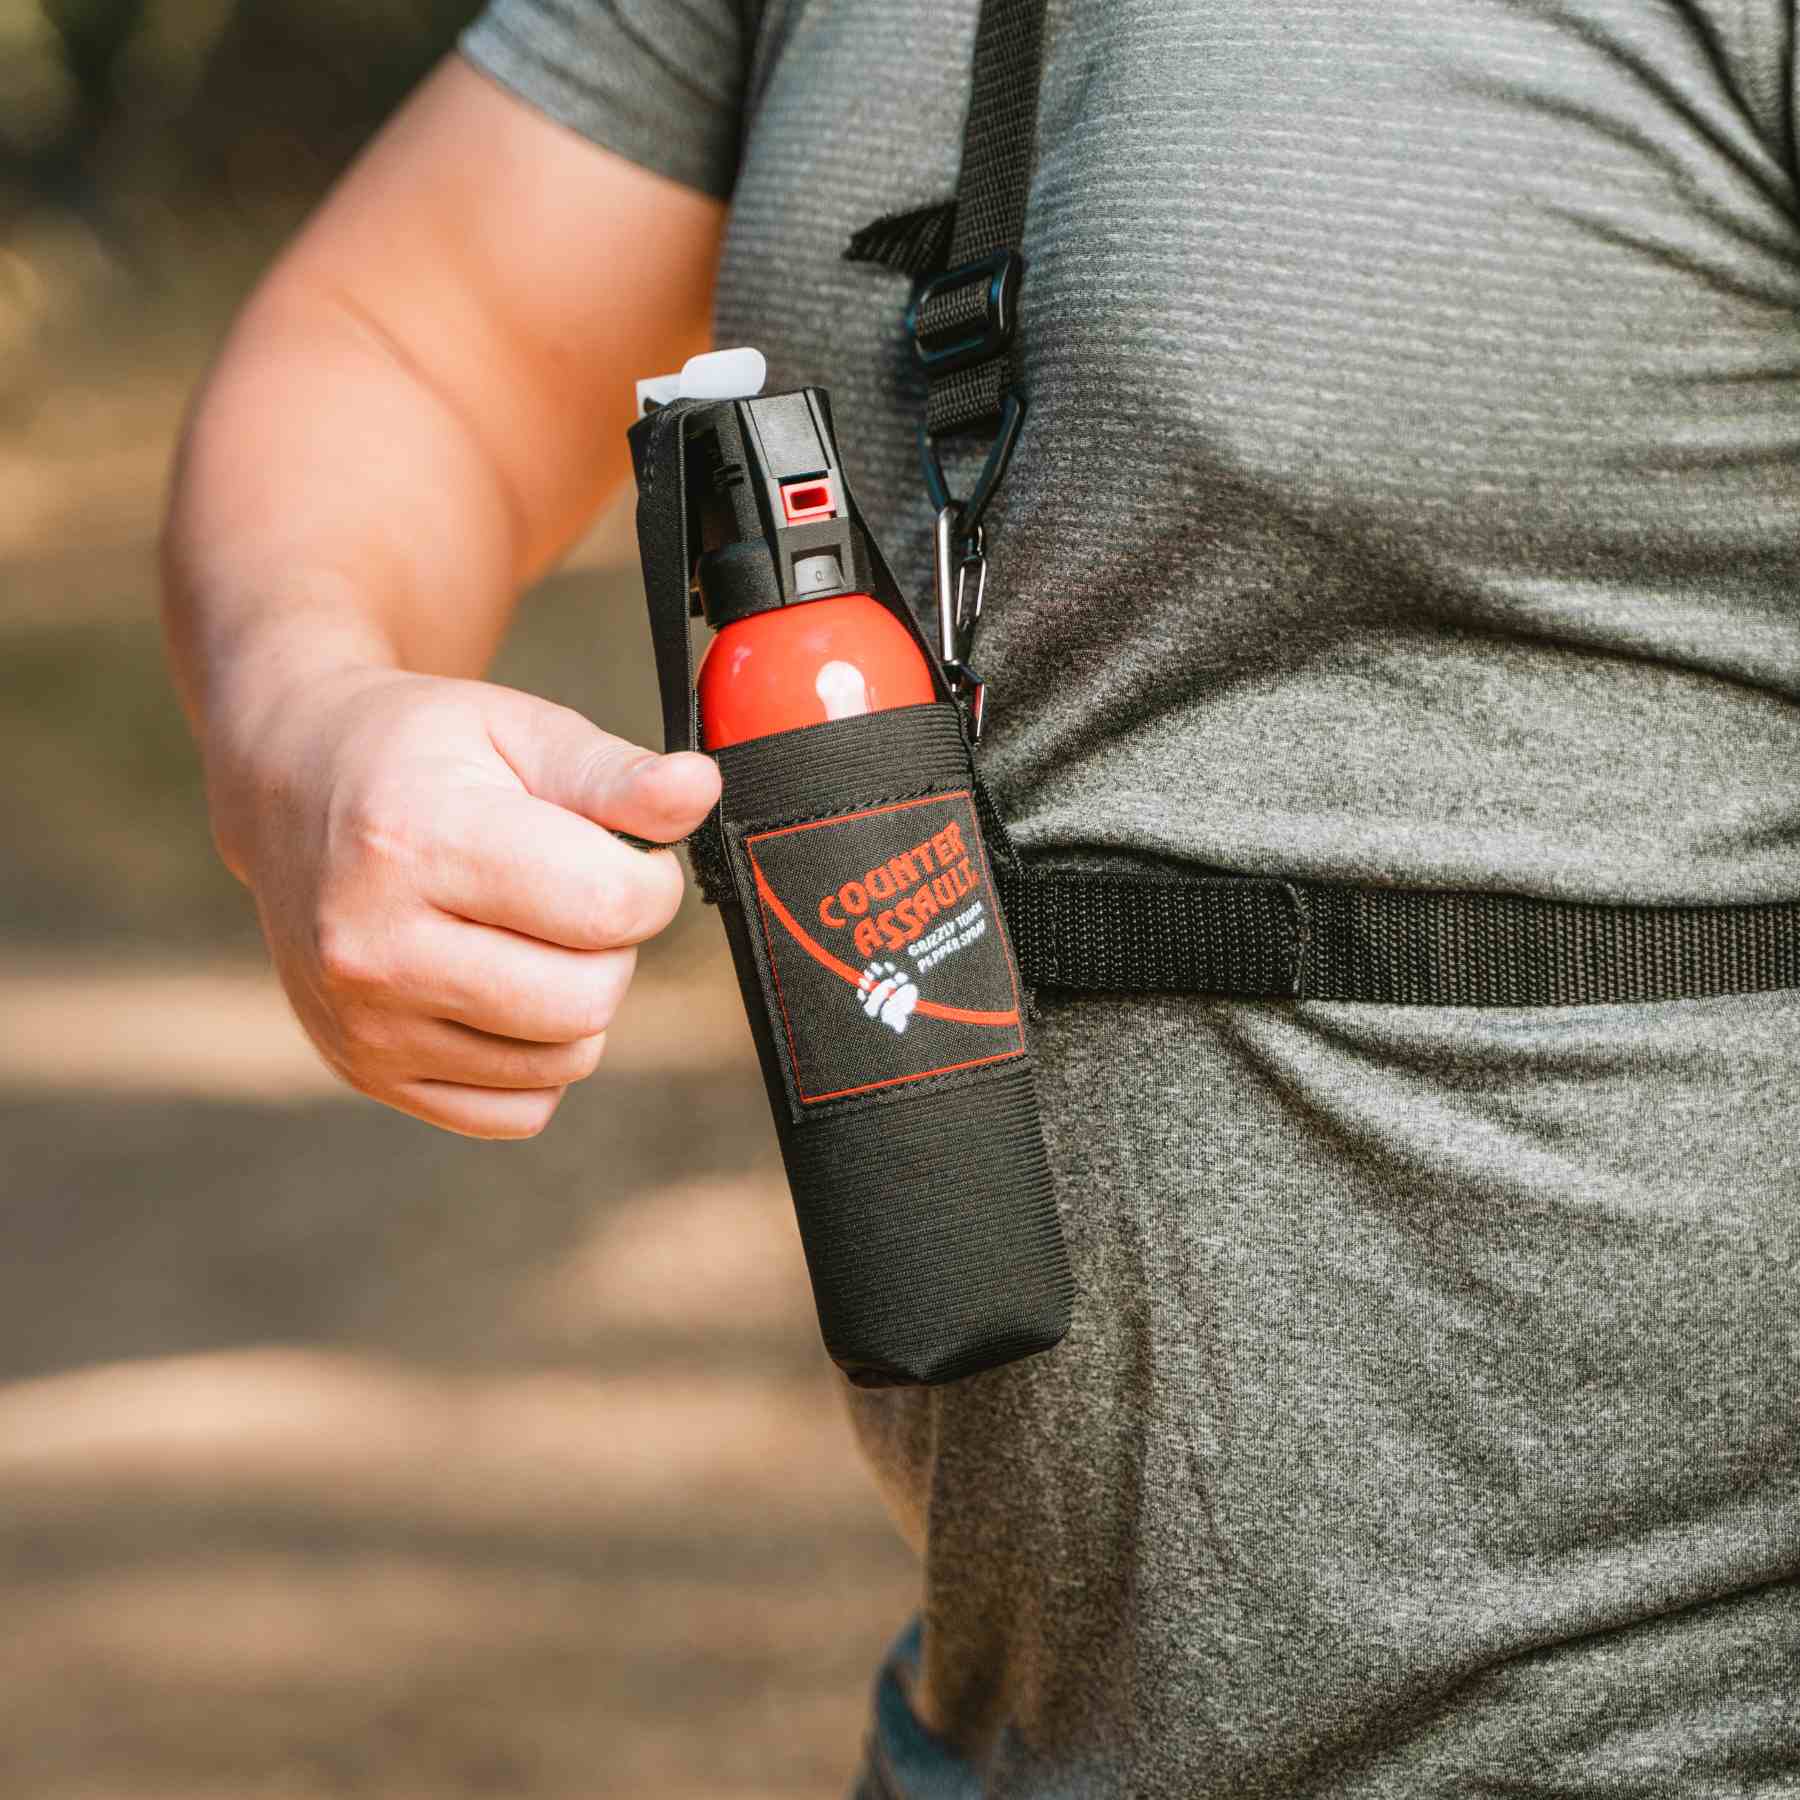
(771, 523)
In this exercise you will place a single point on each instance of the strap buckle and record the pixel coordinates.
(953, 326)
(960, 546)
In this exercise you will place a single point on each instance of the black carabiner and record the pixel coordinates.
(993, 471)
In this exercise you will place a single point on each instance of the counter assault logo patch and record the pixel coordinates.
(888, 951)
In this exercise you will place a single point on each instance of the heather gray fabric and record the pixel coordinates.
(1411, 494)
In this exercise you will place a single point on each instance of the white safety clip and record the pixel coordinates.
(717, 375)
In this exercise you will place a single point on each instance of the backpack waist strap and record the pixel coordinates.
(1254, 937)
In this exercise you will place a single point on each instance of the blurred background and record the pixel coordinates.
(338, 1456)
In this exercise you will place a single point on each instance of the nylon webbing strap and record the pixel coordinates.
(965, 317)
(659, 455)
(1147, 935)
(999, 143)
(1256, 938)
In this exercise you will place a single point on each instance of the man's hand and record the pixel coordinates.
(450, 916)
(422, 404)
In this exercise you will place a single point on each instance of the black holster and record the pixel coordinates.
(854, 865)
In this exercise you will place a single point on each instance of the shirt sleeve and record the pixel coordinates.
(660, 82)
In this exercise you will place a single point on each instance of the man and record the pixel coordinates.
(1409, 497)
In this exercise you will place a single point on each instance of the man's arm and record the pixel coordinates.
(419, 408)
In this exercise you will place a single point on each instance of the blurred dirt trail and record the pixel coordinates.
(339, 1457)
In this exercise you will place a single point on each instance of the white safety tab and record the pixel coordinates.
(717, 375)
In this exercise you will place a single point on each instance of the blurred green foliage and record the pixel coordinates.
(129, 111)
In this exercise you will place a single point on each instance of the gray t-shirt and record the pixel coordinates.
(1411, 494)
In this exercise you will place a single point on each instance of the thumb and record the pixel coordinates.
(569, 761)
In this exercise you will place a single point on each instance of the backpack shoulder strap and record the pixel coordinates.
(966, 252)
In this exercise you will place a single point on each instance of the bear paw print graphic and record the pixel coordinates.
(887, 994)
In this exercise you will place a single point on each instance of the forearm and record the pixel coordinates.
(450, 921)
(329, 512)
(328, 507)
(418, 410)
(422, 405)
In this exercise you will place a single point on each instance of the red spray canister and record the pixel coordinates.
(793, 648)
(807, 663)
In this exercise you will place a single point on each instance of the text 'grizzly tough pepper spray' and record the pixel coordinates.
(854, 877)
